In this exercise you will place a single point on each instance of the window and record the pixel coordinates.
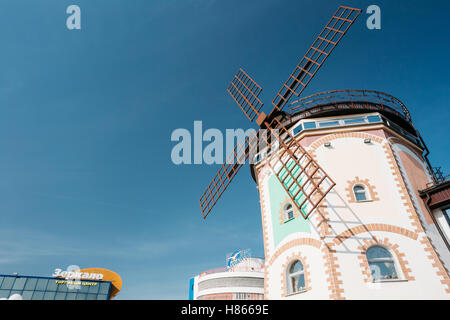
(373, 119)
(31, 283)
(329, 124)
(288, 212)
(446, 213)
(354, 120)
(296, 277)
(381, 263)
(19, 283)
(7, 283)
(297, 129)
(360, 193)
(309, 125)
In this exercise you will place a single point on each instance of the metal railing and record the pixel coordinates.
(239, 269)
(438, 177)
(356, 99)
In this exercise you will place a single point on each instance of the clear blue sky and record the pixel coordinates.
(86, 118)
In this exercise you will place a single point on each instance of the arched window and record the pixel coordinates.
(296, 277)
(381, 263)
(360, 192)
(288, 212)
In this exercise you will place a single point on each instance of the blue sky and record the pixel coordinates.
(86, 118)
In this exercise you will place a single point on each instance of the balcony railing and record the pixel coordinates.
(354, 99)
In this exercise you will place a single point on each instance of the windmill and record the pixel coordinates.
(304, 181)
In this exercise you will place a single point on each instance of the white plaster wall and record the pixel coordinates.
(430, 229)
(348, 158)
(426, 284)
(316, 269)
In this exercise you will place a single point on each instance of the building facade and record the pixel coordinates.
(48, 288)
(85, 284)
(372, 236)
(243, 281)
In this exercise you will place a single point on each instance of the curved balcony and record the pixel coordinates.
(353, 101)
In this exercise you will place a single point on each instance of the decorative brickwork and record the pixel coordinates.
(336, 291)
(365, 182)
(413, 215)
(394, 140)
(287, 201)
(284, 271)
(373, 227)
(263, 173)
(400, 257)
(295, 243)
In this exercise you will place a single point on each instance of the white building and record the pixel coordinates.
(372, 237)
(244, 281)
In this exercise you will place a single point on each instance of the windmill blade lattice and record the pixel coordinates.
(316, 55)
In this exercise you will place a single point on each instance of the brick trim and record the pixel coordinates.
(295, 243)
(373, 227)
(321, 216)
(399, 257)
(365, 182)
(413, 215)
(336, 291)
(394, 140)
(281, 211)
(263, 174)
(288, 261)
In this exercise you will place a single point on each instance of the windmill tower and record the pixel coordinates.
(358, 230)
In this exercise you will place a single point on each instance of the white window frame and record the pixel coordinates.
(393, 259)
(290, 276)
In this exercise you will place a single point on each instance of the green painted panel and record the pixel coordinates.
(277, 196)
(293, 187)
